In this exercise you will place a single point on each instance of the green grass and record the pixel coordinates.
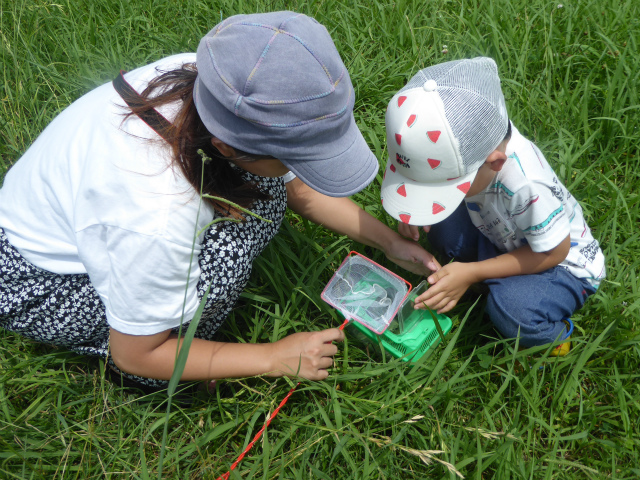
(571, 78)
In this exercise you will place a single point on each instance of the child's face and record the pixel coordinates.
(487, 171)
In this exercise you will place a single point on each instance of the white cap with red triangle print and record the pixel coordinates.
(441, 127)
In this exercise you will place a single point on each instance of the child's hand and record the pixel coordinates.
(306, 354)
(411, 231)
(447, 286)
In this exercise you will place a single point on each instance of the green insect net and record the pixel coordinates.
(381, 305)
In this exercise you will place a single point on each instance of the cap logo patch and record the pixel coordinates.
(434, 163)
(437, 208)
(402, 160)
(401, 100)
(411, 121)
(405, 217)
(401, 190)
(434, 135)
(392, 167)
(398, 138)
(464, 188)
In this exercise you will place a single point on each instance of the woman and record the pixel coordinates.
(99, 216)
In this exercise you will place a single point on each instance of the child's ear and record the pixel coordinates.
(497, 164)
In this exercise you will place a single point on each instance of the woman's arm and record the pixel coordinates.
(345, 217)
(305, 354)
(451, 281)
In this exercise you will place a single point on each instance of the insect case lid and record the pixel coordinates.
(366, 292)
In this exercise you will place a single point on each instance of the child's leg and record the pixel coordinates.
(533, 306)
(457, 237)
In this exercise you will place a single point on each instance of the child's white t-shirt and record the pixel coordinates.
(527, 204)
(96, 195)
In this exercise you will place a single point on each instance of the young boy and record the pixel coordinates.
(488, 199)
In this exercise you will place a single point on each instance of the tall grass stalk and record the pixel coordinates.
(183, 348)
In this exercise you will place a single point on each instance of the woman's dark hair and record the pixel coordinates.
(187, 135)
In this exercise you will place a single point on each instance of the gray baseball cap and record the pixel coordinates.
(274, 84)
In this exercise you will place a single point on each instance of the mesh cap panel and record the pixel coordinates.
(474, 104)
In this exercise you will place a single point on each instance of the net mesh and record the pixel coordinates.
(473, 102)
(365, 292)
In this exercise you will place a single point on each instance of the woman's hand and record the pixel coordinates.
(411, 256)
(305, 354)
(345, 217)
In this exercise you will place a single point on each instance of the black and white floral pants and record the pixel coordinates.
(66, 311)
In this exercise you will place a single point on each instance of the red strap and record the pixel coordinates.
(259, 434)
(266, 424)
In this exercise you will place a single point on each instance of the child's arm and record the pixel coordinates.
(450, 282)
(307, 354)
(345, 217)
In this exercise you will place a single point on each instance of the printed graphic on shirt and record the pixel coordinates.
(590, 251)
(474, 207)
(548, 224)
(500, 188)
(538, 153)
(556, 190)
(514, 155)
(498, 227)
(526, 204)
(523, 207)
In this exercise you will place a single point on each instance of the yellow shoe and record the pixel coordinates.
(563, 349)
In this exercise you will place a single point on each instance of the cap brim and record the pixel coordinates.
(343, 174)
(338, 164)
(422, 204)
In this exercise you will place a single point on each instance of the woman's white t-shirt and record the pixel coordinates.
(98, 195)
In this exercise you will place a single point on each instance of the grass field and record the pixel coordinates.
(571, 74)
